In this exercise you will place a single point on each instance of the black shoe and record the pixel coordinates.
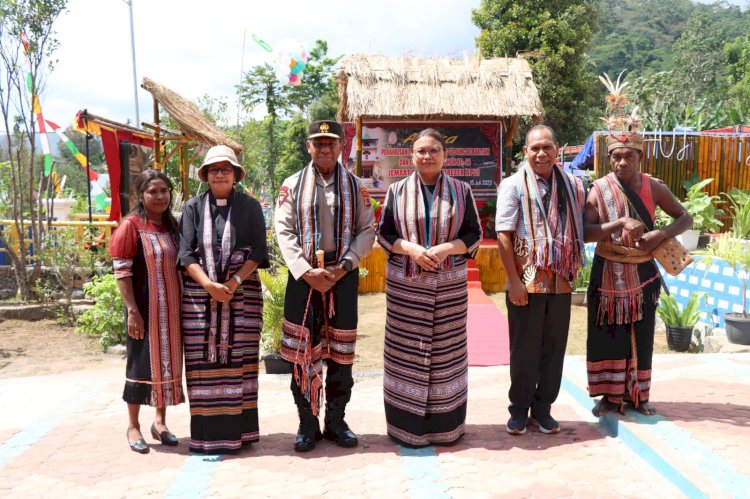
(307, 435)
(546, 423)
(140, 446)
(340, 433)
(516, 425)
(164, 437)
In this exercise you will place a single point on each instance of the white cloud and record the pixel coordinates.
(195, 47)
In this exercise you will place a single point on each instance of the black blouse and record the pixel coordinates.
(248, 228)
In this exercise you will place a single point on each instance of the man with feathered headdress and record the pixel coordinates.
(625, 282)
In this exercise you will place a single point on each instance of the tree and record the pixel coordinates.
(316, 92)
(26, 33)
(293, 155)
(260, 86)
(699, 60)
(738, 59)
(252, 136)
(557, 32)
(638, 35)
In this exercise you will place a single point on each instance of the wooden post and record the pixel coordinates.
(358, 163)
(157, 152)
(184, 173)
(509, 144)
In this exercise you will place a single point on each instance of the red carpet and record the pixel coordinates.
(486, 331)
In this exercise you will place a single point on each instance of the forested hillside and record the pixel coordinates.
(688, 63)
(640, 34)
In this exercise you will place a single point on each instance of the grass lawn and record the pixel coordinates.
(369, 352)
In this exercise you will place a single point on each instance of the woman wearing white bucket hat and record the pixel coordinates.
(222, 243)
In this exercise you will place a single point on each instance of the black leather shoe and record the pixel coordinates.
(164, 437)
(140, 446)
(306, 437)
(340, 433)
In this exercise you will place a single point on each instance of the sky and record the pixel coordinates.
(196, 47)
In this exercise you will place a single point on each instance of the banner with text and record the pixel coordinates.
(474, 152)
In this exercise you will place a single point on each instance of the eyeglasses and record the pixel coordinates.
(434, 151)
(224, 171)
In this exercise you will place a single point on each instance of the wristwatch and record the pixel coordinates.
(237, 278)
(347, 264)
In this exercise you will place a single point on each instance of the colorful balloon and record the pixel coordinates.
(290, 62)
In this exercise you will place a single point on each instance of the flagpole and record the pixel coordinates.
(132, 53)
(88, 165)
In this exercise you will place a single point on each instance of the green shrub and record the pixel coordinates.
(734, 251)
(670, 313)
(274, 292)
(67, 261)
(70, 261)
(106, 318)
(740, 201)
(581, 282)
(702, 207)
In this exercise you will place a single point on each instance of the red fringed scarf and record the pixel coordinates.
(621, 300)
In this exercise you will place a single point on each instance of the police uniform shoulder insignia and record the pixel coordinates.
(283, 193)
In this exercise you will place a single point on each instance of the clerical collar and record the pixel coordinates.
(221, 201)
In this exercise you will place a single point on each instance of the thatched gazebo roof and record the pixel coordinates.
(190, 119)
(377, 87)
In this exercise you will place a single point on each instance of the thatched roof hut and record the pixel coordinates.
(191, 120)
(374, 87)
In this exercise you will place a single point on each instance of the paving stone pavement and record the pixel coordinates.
(64, 436)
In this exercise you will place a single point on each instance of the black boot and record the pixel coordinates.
(337, 430)
(308, 432)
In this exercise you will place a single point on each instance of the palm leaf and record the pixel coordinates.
(691, 313)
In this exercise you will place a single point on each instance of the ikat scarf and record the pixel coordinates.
(308, 373)
(432, 223)
(554, 229)
(307, 211)
(621, 291)
(210, 269)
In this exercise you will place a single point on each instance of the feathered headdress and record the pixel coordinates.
(623, 123)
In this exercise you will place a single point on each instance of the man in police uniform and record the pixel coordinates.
(322, 209)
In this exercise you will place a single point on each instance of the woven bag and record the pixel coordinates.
(672, 255)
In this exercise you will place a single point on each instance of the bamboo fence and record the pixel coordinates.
(675, 157)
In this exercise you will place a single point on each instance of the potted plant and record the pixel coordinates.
(680, 324)
(581, 284)
(740, 210)
(702, 208)
(274, 292)
(733, 250)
